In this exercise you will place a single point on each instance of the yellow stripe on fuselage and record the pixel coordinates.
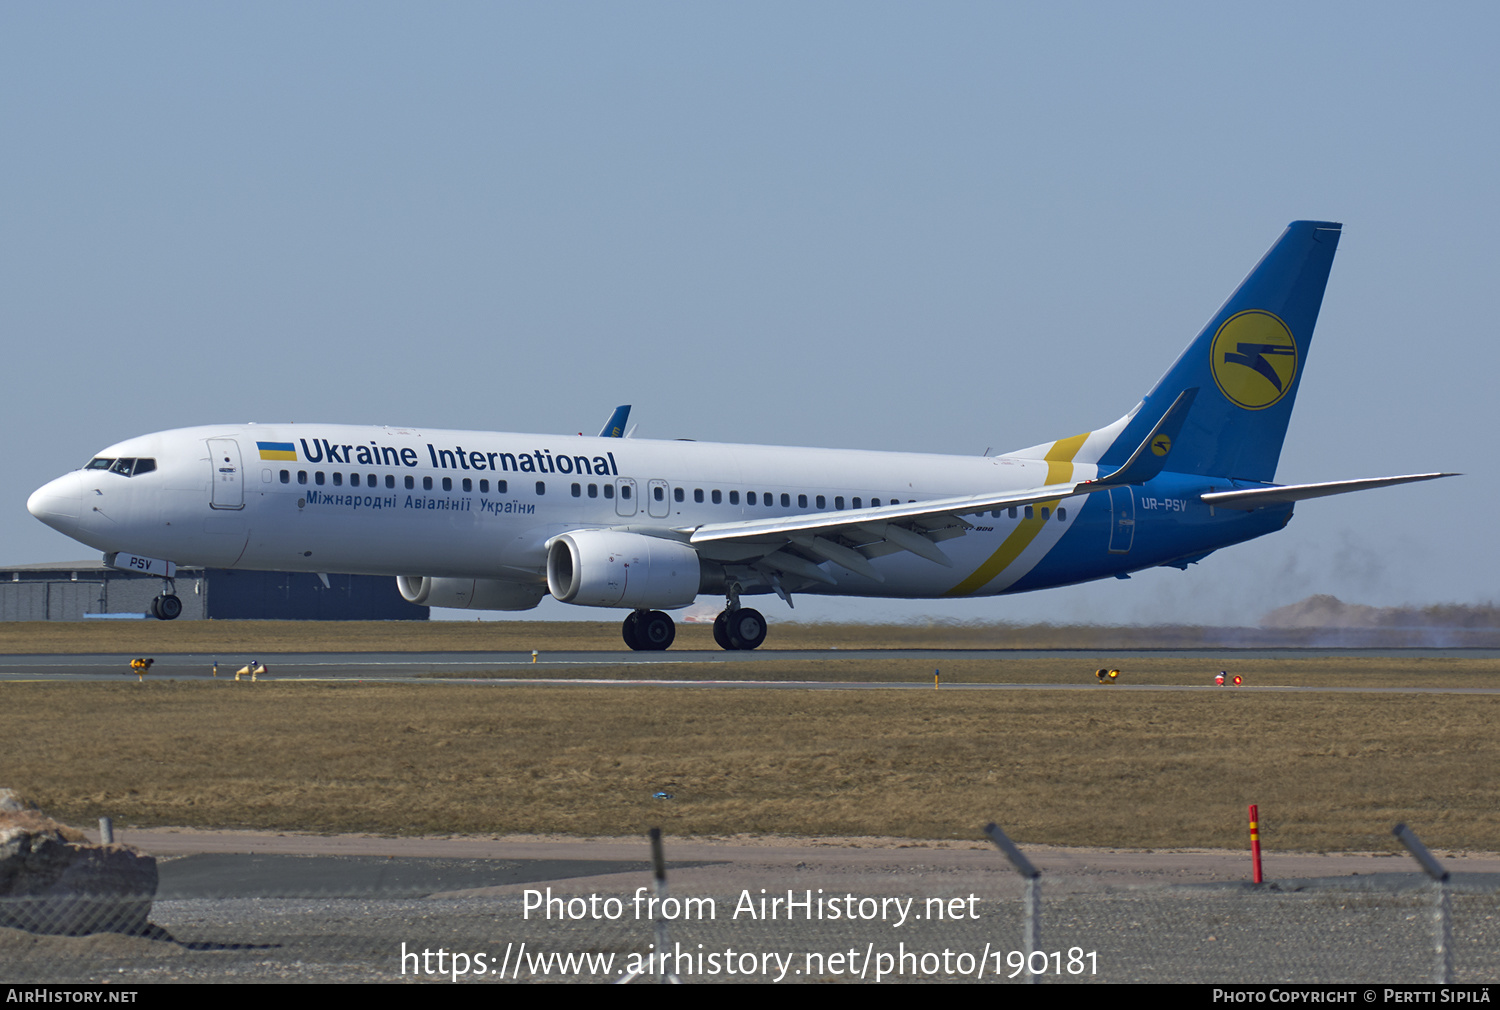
(1059, 470)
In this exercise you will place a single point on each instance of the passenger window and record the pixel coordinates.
(625, 491)
(411, 482)
(718, 496)
(677, 494)
(426, 483)
(301, 476)
(1062, 515)
(318, 477)
(786, 500)
(1046, 513)
(447, 483)
(874, 503)
(1030, 512)
(802, 501)
(577, 490)
(698, 495)
(1012, 511)
(857, 503)
(734, 497)
(749, 498)
(371, 479)
(286, 476)
(609, 490)
(659, 493)
(593, 490)
(484, 487)
(353, 480)
(994, 513)
(468, 484)
(338, 478)
(821, 502)
(838, 502)
(390, 481)
(501, 485)
(541, 487)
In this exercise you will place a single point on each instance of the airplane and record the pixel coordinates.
(497, 521)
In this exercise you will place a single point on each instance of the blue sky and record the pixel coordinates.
(935, 227)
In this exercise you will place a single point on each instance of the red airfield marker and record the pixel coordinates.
(1255, 840)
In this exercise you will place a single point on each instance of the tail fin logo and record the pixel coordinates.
(1161, 444)
(1254, 359)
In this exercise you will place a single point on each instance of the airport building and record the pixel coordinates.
(78, 590)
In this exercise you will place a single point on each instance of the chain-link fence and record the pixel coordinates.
(786, 925)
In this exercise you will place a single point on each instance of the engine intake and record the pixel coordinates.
(608, 568)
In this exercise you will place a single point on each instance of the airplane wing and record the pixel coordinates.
(1249, 499)
(911, 526)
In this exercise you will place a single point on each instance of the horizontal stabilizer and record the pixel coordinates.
(1253, 498)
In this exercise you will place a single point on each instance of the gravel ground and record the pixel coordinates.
(1110, 916)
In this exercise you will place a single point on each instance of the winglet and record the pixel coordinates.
(1150, 457)
(615, 426)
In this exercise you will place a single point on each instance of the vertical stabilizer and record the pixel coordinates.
(1246, 363)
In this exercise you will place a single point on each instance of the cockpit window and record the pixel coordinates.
(125, 467)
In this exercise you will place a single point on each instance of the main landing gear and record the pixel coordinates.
(741, 628)
(735, 628)
(738, 627)
(648, 631)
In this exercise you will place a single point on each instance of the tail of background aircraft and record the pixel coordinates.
(1246, 365)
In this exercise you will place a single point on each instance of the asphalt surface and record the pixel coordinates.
(657, 667)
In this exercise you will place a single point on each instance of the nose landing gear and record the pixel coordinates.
(167, 607)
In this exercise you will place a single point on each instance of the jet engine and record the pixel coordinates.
(608, 568)
(468, 594)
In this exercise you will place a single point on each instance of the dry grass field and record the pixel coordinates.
(1104, 766)
(1324, 671)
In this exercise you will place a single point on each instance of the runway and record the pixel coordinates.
(520, 669)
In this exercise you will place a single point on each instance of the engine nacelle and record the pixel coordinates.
(468, 594)
(608, 568)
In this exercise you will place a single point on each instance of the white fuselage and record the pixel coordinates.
(408, 501)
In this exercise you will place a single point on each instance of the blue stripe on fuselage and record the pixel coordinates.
(1170, 523)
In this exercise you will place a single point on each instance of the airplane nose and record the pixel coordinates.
(58, 503)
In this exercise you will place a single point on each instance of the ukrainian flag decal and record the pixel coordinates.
(277, 450)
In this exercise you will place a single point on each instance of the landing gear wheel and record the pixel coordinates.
(166, 607)
(745, 628)
(630, 630)
(721, 631)
(654, 630)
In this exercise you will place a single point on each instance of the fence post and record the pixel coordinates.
(1443, 913)
(1031, 905)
